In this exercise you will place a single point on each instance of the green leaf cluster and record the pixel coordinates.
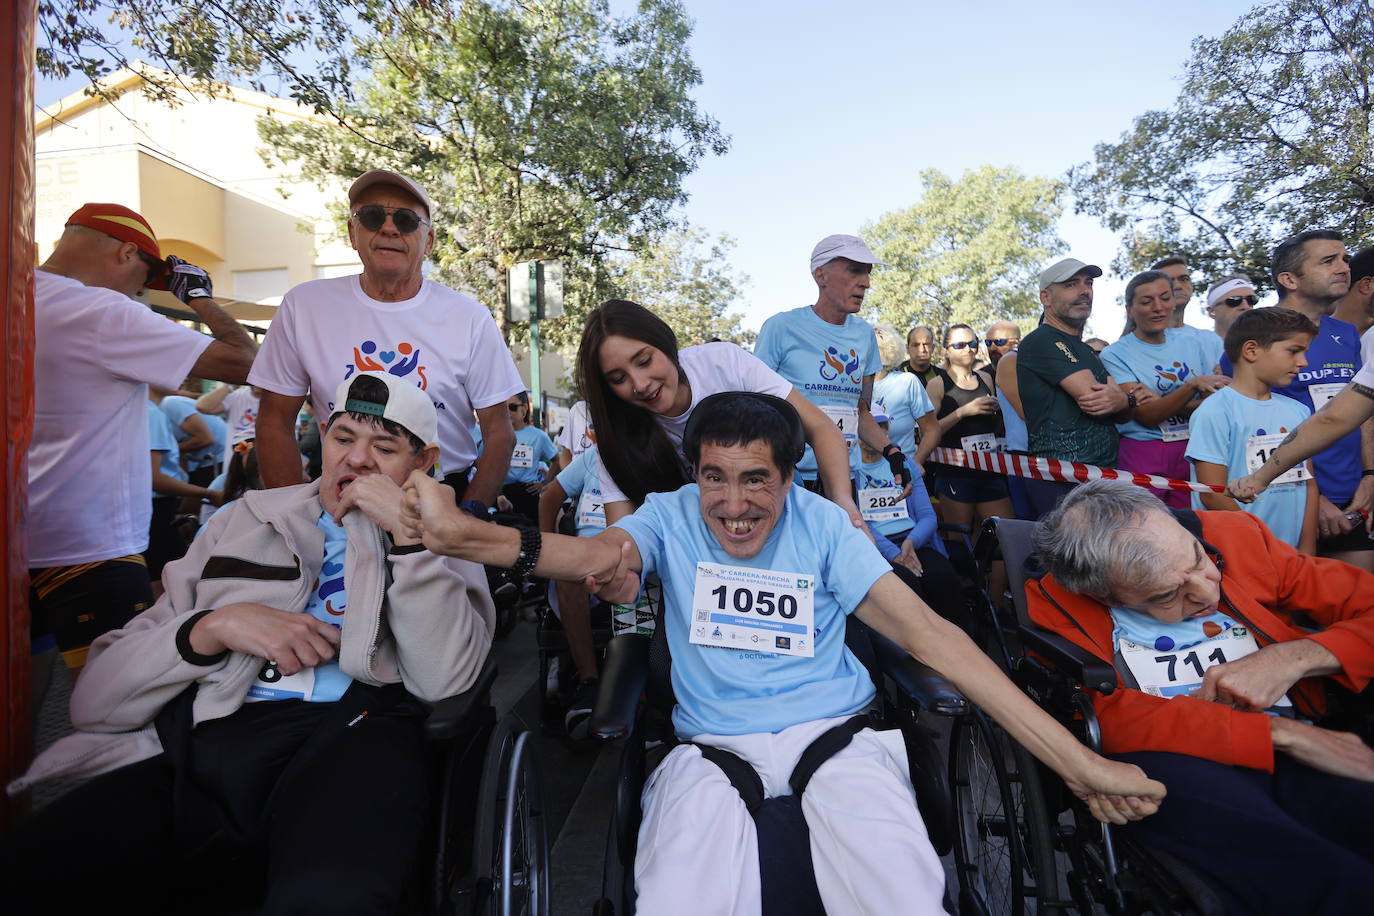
(1269, 136)
(969, 251)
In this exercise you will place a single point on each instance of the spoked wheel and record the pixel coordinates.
(511, 855)
(1003, 848)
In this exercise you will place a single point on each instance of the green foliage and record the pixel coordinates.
(293, 48)
(968, 252)
(539, 129)
(687, 279)
(1269, 136)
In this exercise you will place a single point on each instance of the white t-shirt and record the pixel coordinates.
(89, 479)
(1367, 349)
(445, 342)
(241, 405)
(577, 435)
(711, 368)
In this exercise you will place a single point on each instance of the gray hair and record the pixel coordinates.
(1092, 544)
(890, 346)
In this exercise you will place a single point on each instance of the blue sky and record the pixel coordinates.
(834, 110)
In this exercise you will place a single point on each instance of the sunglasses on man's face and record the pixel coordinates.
(373, 217)
(960, 344)
(515, 406)
(1000, 341)
(1234, 301)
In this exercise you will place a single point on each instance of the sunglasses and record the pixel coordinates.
(373, 217)
(155, 267)
(515, 406)
(960, 344)
(1233, 301)
(1000, 341)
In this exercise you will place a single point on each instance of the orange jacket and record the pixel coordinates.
(1267, 582)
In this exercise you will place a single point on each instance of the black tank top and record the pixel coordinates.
(979, 425)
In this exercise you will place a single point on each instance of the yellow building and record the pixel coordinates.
(194, 172)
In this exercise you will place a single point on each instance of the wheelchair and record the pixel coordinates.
(640, 665)
(1024, 821)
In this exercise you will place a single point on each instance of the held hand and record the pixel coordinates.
(619, 584)
(1115, 792)
(293, 641)
(907, 557)
(1209, 384)
(983, 405)
(1245, 489)
(429, 513)
(1253, 683)
(1338, 753)
(186, 281)
(1363, 502)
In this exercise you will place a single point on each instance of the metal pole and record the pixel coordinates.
(535, 400)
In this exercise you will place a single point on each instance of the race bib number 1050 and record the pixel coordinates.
(762, 610)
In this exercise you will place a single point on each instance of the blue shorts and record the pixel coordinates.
(985, 488)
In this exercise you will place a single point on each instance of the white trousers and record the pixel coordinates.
(698, 850)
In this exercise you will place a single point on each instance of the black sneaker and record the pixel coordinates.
(579, 713)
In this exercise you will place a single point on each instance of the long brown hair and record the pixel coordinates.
(637, 453)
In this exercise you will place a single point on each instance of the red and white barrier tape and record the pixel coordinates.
(1066, 471)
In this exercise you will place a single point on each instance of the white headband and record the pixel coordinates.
(1216, 293)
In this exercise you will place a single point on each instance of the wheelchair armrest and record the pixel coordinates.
(623, 677)
(927, 687)
(450, 715)
(1070, 660)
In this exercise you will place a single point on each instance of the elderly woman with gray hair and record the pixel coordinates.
(904, 399)
(1205, 616)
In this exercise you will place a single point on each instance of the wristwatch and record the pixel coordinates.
(1130, 400)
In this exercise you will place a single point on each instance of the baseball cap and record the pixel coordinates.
(124, 224)
(383, 176)
(1060, 271)
(842, 246)
(403, 403)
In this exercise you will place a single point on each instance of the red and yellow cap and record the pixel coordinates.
(124, 224)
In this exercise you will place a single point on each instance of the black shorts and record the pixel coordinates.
(75, 604)
(1354, 539)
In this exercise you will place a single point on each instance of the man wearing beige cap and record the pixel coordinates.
(1072, 405)
(390, 319)
(830, 355)
(96, 350)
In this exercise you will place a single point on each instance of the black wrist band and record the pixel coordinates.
(184, 643)
(891, 447)
(530, 542)
(1367, 472)
(402, 550)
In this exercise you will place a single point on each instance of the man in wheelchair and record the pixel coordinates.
(268, 706)
(758, 576)
(1229, 647)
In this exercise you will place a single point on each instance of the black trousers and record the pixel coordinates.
(330, 814)
(1295, 841)
(75, 604)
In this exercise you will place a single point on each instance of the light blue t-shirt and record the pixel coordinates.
(1212, 346)
(328, 602)
(541, 451)
(162, 438)
(904, 400)
(177, 409)
(1159, 367)
(919, 525)
(736, 692)
(1222, 425)
(583, 476)
(825, 362)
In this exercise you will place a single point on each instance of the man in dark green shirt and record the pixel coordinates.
(1072, 405)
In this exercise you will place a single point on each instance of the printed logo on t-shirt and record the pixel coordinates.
(402, 360)
(1064, 348)
(835, 364)
(1166, 379)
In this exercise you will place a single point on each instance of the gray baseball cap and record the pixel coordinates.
(843, 246)
(385, 176)
(1060, 271)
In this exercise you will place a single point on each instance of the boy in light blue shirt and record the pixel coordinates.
(1235, 429)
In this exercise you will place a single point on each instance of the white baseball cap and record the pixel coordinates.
(404, 404)
(383, 176)
(1064, 269)
(843, 246)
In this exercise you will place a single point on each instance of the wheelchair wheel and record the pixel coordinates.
(1003, 847)
(511, 855)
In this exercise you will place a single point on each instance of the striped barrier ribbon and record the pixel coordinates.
(1066, 471)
